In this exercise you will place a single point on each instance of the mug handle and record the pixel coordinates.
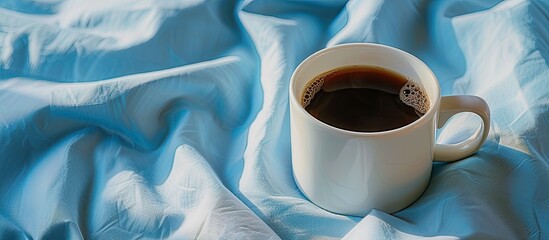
(451, 105)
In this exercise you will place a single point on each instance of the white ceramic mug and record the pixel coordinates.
(351, 173)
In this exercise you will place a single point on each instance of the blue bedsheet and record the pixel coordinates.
(144, 119)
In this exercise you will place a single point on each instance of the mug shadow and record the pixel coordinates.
(497, 188)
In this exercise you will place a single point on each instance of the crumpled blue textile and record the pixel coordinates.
(144, 119)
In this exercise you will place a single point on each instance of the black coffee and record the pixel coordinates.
(364, 99)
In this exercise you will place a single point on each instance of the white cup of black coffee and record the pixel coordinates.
(363, 120)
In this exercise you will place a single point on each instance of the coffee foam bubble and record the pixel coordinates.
(313, 87)
(413, 95)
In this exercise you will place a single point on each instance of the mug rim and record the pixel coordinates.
(434, 103)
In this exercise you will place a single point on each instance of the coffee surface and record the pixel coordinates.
(363, 99)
